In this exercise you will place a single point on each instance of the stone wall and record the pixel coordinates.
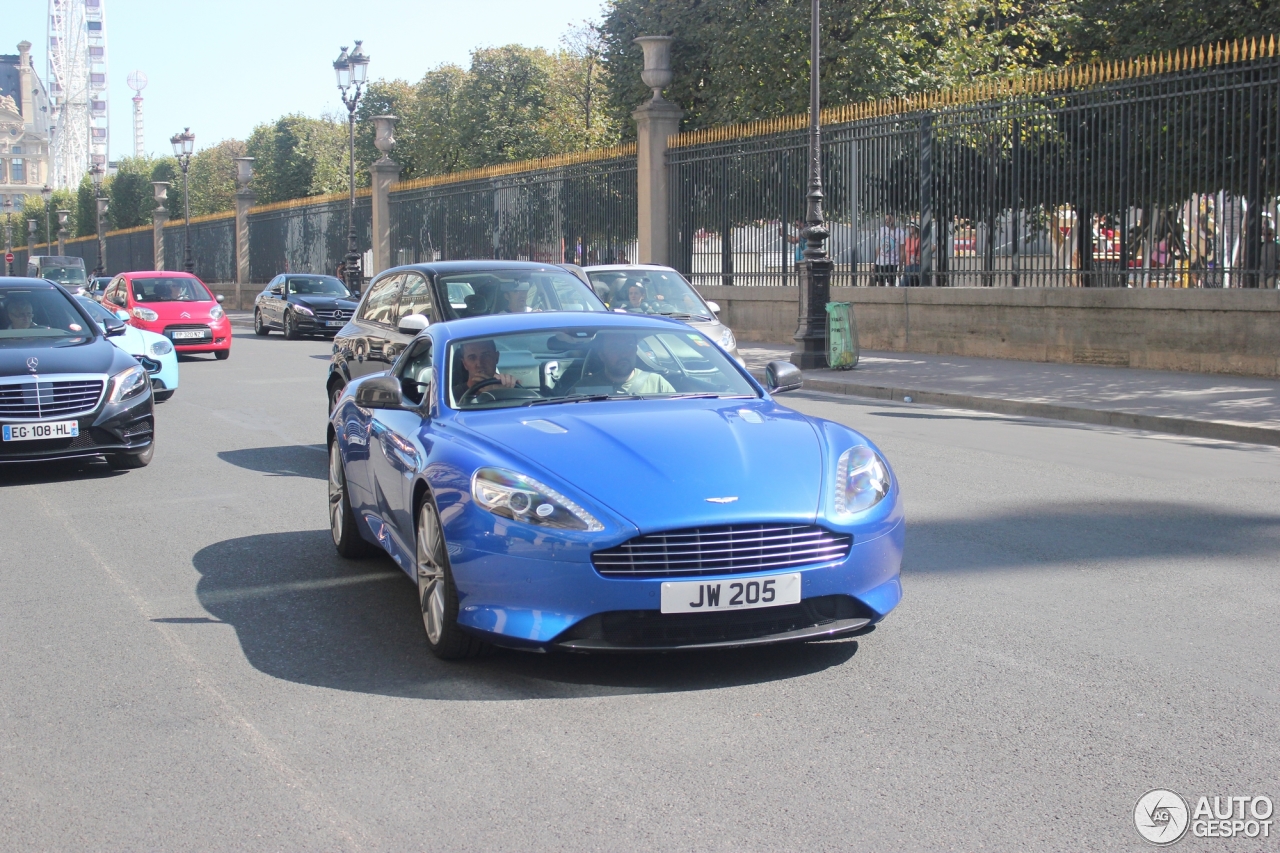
(1205, 331)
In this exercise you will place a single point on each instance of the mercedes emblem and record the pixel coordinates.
(33, 363)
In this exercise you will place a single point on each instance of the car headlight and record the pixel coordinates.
(145, 314)
(161, 348)
(302, 309)
(216, 313)
(727, 340)
(129, 383)
(862, 480)
(522, 498)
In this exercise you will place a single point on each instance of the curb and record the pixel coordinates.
(1075, 414)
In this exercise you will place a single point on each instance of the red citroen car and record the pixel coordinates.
(176, 305)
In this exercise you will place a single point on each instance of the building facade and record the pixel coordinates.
(24, 129)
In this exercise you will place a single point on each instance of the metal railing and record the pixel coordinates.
(1156, 173)
(302, 236)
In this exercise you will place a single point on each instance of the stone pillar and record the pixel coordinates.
(158, 218)
(385, 173)
(62, 231)
(655, 120)
(244, 200)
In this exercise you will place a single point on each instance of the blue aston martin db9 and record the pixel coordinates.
(606, 482)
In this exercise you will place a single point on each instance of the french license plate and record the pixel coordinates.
(336, 323)
(701, 596)
(35, 432)
(185, 334)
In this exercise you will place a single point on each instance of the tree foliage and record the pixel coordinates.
(297, 156)
(212, 174)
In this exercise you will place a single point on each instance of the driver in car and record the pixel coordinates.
(480, 360)
(19, 311)
(514, 296)
(615, 354)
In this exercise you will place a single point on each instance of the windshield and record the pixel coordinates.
(64, 275)
(483, 292)
(643, 291)
(169, 290)
(575, 365)
(318, 285)
(38, 315)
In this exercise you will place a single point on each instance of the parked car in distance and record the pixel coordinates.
(299, 304)
(154, 352)
(97, 286)
(66, 391)
(176, 305)
(652, 289)
(609, 482)
(66, 270)
(403, 301)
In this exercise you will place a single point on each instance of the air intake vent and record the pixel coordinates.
(722, 550)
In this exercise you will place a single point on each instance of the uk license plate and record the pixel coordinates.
(748, 594)
(181, 335)
(35, 432)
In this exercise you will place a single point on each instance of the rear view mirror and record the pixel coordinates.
(411, 324)
(782, 376)
(379, 392)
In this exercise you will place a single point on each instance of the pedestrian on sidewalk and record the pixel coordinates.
(889, 241)
(1268, 257)
(911, 257)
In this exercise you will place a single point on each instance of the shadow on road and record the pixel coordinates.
(290, 460)
(1113, 531)
(305, 615)
(39, 473)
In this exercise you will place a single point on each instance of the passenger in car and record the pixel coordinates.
(514, 296)
(480, 362)
(636, 301)
(613, 362)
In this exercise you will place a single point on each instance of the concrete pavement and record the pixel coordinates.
(1230, 408)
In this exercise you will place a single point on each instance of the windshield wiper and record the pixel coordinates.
(707, 395)
(678, 316)
(584, 398)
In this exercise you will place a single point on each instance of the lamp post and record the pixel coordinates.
(183, 144)
(352, 70)
(32, 227)
(811, 334)
(96, 172)
(47, 194)
(62, 231)
(8, 233)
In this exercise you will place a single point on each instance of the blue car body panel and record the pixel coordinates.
(638, 466)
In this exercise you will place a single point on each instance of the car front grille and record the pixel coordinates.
(36, 399)
(343, 314)
(730, 549)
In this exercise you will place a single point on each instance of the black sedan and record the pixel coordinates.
(298, 305)
(403, 301)
(65, 390)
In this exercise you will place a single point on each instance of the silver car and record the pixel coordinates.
(652, 289)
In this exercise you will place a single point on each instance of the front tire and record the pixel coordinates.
(342, 519)
(290, 327)
(129, 461)
(335, 393)
(437, 594)
(259, 327)
(222, 354)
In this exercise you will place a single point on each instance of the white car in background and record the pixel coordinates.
(153, 351)
(663, 292)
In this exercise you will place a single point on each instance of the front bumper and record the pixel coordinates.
(127, 427)
(523, 602)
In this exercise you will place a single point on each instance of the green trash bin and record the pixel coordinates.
(842, 336)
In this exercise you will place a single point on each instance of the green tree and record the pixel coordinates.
(580, 92)
(1118, 29)
(212, 176)
(33, 207)
(86, 210)
(438, 138)
(132, 198)
(297, 156)
(505, 103)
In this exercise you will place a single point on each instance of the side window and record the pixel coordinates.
(381, 301)
(415, 370)
(415, 298)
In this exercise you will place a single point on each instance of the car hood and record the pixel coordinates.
(324, 302)
(96, 356)
(658, 463)
(171, 312)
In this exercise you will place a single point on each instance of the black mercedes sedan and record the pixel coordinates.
(403, 301)
(298, 305)
(65, 390)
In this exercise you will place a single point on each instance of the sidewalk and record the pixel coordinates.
(1230, 408)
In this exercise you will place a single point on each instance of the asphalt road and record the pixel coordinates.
(187, 665)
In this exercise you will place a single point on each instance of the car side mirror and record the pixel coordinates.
(714, 306)
(379, 392)
(782, 376)
(411, 324)
(278, 290)
(219, 297)
(114, 328)
(123, 315)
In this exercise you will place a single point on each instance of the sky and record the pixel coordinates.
(223, 66)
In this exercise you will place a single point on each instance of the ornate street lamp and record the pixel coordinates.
(811, 335)
(46, 193)
(62, 231)
(183, 144)
(352, 70)
(8, 231)
(96, 172)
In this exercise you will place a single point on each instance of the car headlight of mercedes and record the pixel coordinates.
(522, 498)
(302, 309)
(727, 340)
(145, 314)
(216, 313)
(161, 348)
(129, 383)
(862, 480)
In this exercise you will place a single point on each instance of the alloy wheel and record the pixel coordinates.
(337, 488)
(431, 562)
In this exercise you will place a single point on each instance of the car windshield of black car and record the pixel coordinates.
(576, 365)
(317, 285)
(31, 315)
(484, 292)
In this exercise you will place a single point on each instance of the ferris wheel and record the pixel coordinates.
(78, 88)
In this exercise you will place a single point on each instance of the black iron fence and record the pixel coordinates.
(1159, 173)
(304, 236)
(563, 211)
